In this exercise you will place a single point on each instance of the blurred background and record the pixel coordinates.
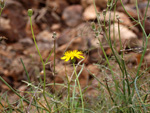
(71, 20)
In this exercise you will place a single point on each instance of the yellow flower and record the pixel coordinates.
(71, 55)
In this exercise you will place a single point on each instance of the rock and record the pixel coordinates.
(131, 59)
(89, 13)
(99, 3)
(84, 76)
(86, 3)
(26, 41)
(124, 19)
(74, 1)
(125, 33)
(22, 89)
(82, 36)
(93, 69)
(131, 9)
(72, 15)
(5, 24)
(57, 5)
(56, 27)
(16, 20)
(95, 55)
(27, 4)
(66, 36)
(147, 21)
(6, 30)
(133, 1)
(147, 26)
(63, 71)
(35, 28)
(45, 36)
(17, 47)
(46, 16)
(123, 1)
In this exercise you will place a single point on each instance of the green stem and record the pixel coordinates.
(127, 12)
(19, 94)
(73, 95)
(80, 90)
(1, 11)
(109, 91)
(124, 70)
(54, 59)
(107, 60)
(68, 90)
(29, 81)
(42, 64)
(145, 19)
(145, 110)
(54, 37)
(144, 51)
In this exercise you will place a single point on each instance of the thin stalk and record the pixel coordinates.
(110, 43)
(49, 56)
(124, 90)
(74, 89)
(29, 82)
(99, 39)
(102, 46)
(79, 88)
(73, 95)
(147, 37)
(127, 12)
(68, 95)
(18, 93)
(125, 74)
(42, 64)
(114, 26)
(68, 82)
(109, 90)
(145, 110)
(54, 37)
(144, 51)
(145, 19)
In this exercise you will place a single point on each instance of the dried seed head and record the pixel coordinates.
(104, 12)
(118, 17)
(93, 26)
(30, 12)
(54, 35)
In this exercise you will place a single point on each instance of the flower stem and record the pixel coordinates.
(79, 88)
(42, 64)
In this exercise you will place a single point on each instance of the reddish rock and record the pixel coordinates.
(57, 6)
(89, 13)
(16, 19)
(99, 3)
(124, 19)
(29, 4)
(84, 76)
(72, 15)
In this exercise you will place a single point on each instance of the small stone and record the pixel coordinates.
(72, 15)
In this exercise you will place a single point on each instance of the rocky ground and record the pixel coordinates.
(71, 20)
